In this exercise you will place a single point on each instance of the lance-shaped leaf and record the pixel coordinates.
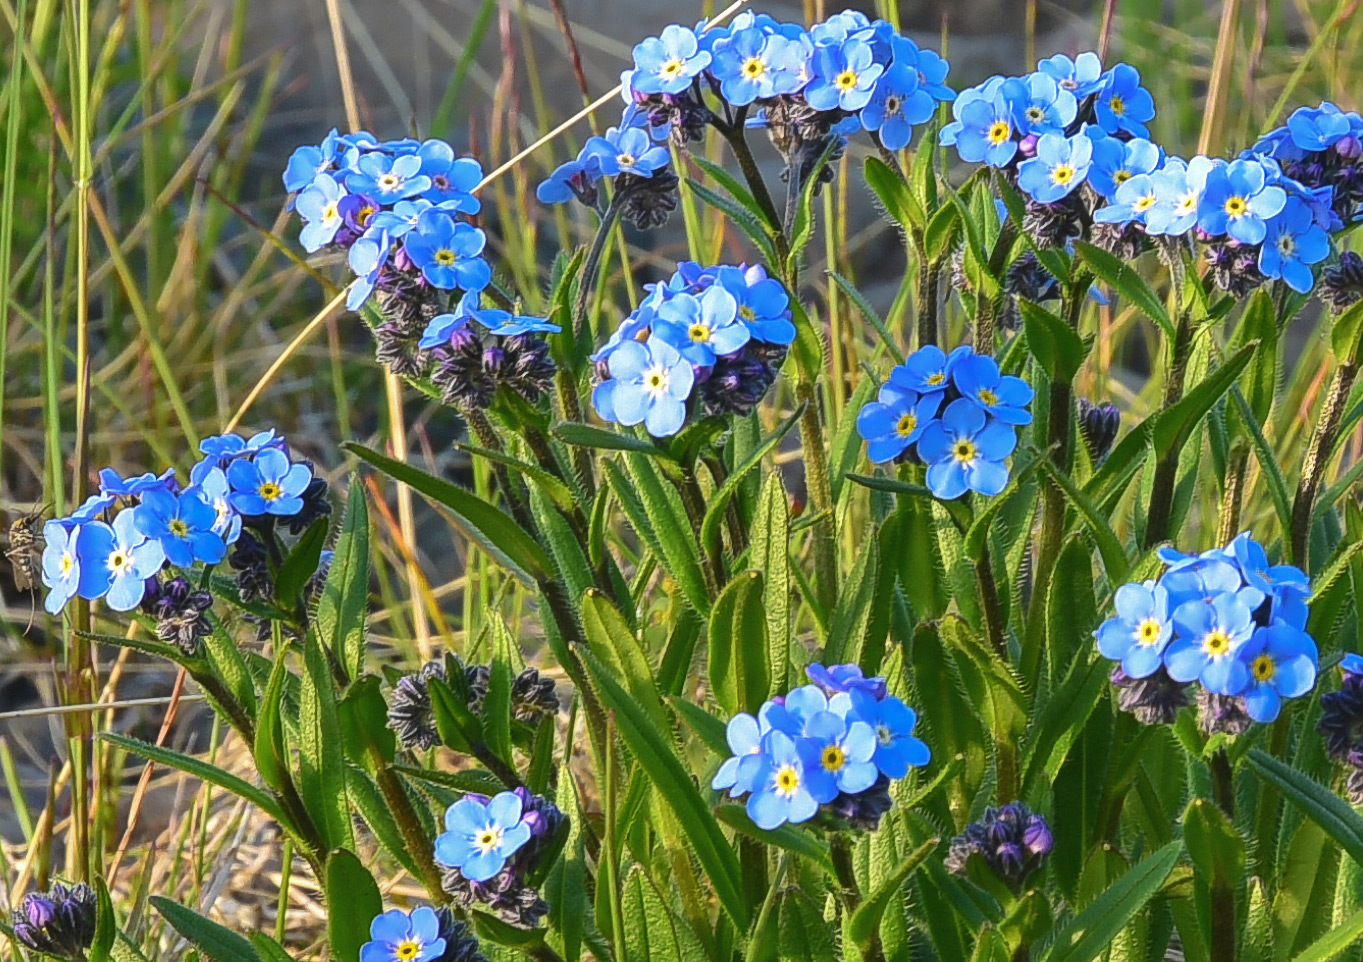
(202, 770)
(673, 539)
(866, 919)
(1057, 347)
(215, 941)
(1126, 281)
(719, 501)
(353, 901)
(739, 663)
(344, 605)
(1321, 805)
(321, 758)
(1175, 426)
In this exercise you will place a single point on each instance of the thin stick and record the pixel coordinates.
(352, 107)
(92, 707)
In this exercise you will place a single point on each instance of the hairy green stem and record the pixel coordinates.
(989, 602)
(738, 143)
(850, 893)
(694, 502)
(1223, 934)
(1161, 512)
(929, 278)
(1229, 522)
(482, 429)
(587, 281)
(1318, 455)
(419, 843)
(819, 488)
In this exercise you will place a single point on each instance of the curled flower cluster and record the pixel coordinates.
(59, 923)
(1226, 619)
(394, 207)
(959, 411)
(492, 846)
(708, 341)
(835, 743)
(423, 935)
(645, 184)
(1011, 841)
(1341, 724)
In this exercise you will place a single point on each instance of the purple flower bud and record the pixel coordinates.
(1349, 147)
(1027, 146)
(38, 910)
(1036, 837)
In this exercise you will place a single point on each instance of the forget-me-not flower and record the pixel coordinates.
(1282, 663)
(845, 74)
(892, 722)
(1238, 200)
(319, 206)
(983, 129)
(965, 451)
(750, 64)
(183, 524)
(61, 564)
(1208, 638)
(895, 421)
(447, 252)
(1060, 165)
(649, 384)
(897, 104)
(1140, 631)
(268, 484)
(781, 787)
(1123, 104)
(1293, 241)
(667, 64)
(116, 560)
(704, 327)
(479, 837)
(1081, 76)
(1003, 396)
(627, 151)
(1116, 161)
(744, 734)
(836, 754)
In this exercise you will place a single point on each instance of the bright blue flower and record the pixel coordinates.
(1237, 200)
(763, 304)
(479, 838)
(649, 384)
(983, 129)
(398, 937)
(892, 722)
(116, 561)
(1132, 203)
(568, 181)
(111, 483)
(668, 63)
(320, 207)
(844, 76)
(1040, 105)
(367, 257)
(1116, 161)
(61, 564)
(894, 422)
(744, 734)
(1207, 643)
(750, 64)
(401, 219)
(1205, 580)
(1140, 631)
(452, 178)
(836, 755)
(1002, 396)
(780, 786)
(1080, 76)
(932, 69)
(928, 369)
(306, 163)
(1253, 562)
(268, 484)
(1281, 663)
(513, 325)
(226, 446)
(184, 526)
(800, 706)
(897, 104)
(702, 328)
(628, 151)
(1352, 664)
(1178, 191)
(216, 490)
(965, 451)
(839, 27)
(845, 678)
(447, 252)
(640, 322)
(1060, 165)
(1292, 243)
(1123, 104)
(389, 179)
(1318, 128)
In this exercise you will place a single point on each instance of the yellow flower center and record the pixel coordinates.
(1148, 632)
(1236, 206)
(445, 257)
(787, 780)
(329, 212)
(671, 68)
(1062, 174)
(988, 397)
(753, 68)
(1145, 202)
(1117, 105)
(655, 381)
(1188, 202)
(364, 213)
(178, 528)
(747, 313)
(699, 333)
(406, 950)
(936, 379)
(68, 563)
(833, 758)
(999, 131)
(964, 451)
(1216, 643)
(489, 839)
(626, 160)
(1263, 668)
(847, 80)
(270, 491)
(388, 181)
(906, 425)
(1121, 177)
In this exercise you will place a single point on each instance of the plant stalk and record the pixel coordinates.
(1318, 455)
(587, 281)
(1166, 470)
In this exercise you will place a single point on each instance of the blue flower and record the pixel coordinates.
(1352, 664)
(844, 77)
(268, 484)
(367, 257)
(640, 322)
(896, 421)
(224, 447)
(216, 490)
(513, 325)
(1282, 663)
(839, 27)
(1116, 161)
(932, 69)
(479, 838)
(61, 564)
(780, 787)
(836, 755)
(1141, 630)
(1205, 579)
(628, 151)
(116, 561)
(1081, 76)
(845, 678)
(763, 304)
(892, 722)
(389, 179)
(569, 180)
(452, 178)
(1040, 105)
(897, 104)
(184, 526)
(702, 328)
(983, 129)
(1123, 104)
(319, 206)
(1133, 202)
(305, 163)
(1293, 242)
(750, 64)
(447, 252)
(1178, 190)
(1207, 642)
(668, 63)
(744, 734)
(1318, 128)
(1003, 396)
(397, 937)
(965, 451)
(649, 384)
(1237, 200)
(1059, 166)
(402, 218)
(928, 369)
(110, 483)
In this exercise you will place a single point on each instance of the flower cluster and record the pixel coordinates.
(490, 849)
(959, 411)
(1011, 842)
(423, 935)
(1341, 724)
(710, 340)
(835, 743)
(1226, 619)
(60, 923)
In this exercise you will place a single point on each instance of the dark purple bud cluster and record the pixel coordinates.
(1234, 266)
(738, 382)
(1341, 725)
(1154, 700)
(60, 923)
(1011, 841)
(533, 698)
(251, 562)
(863, 810)
(469, 369)
(647, 202)
(1222, 714)
(1341, 285)
(179, 611)
(1098, 425)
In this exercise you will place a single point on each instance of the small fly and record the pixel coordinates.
(25, 543)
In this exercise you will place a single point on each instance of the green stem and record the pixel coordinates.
(850, 893)
(738, 142)
(1318, 455)
(819, 488)
(1229, 522)
(993, 614)
(1166, 469)
(419, 843)
(929, 278)
(694, 503)
(587, 281)
(1223, 934)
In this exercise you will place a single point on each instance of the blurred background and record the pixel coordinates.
(142, 225)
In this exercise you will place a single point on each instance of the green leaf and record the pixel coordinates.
(1321, 805)
(565, 888)
(894, 194)
(940, 235)
(301, 564)
(1176, 425)
(363, 716)
(488, 526)
(497, 703)
(674, 540)
(790, 837)
(770, 553)
(802, 933)
(1260, 323)
(215, 941)
(734, 186)
(553, 487)
(675, 789)
(852, 612)
(1268, 461)
(866, 919)
(614, 643)
(271, 754)
(344, 605)
(719, 501)
(1086, 936)
(712, 730)
(1333, 944)
(1057, 347)
(353, 902)
(1126, 281)
(1218, 855)
(106, 925)
(751, 224)
(321, 768)
(459, 728)
(269, 949)
(879, 483)
(740, 661)
(369, 802)
(1059, 723)
(1346, 331)
(650, 930)
(869, 313)
(803, 228)
(1111, 550)
(976, 536)
(201, 770)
